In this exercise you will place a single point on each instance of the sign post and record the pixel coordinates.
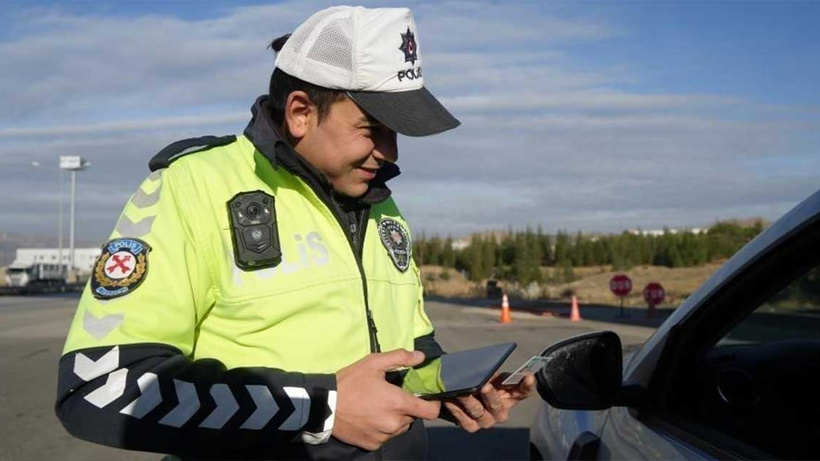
(620, 285)
(654, 294)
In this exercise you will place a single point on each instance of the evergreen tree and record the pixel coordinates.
(419, 250)
(507, 249)
(578, 255)
(567, 274)
(488, 255)
(599, 252)
(562, 250)
(475, 260)
(535, 247)
(434, 249)
(621, 258)
(527, 263)
(545, 244)
(448, 255)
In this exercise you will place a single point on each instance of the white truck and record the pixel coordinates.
(24, 276)
(38, 270)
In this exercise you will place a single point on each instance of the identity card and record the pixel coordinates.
(532, 366)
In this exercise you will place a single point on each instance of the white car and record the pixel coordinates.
(734, 372)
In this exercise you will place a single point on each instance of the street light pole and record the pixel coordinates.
(60, 226)
(73, 164)
(71, 231)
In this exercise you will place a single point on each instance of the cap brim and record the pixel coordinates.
(411, 113)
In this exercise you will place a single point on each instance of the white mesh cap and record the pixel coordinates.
(374, 54)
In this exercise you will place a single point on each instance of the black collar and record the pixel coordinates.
(264, 136)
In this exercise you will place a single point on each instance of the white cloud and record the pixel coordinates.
(579, 100)
(130, 125)
(546, 138)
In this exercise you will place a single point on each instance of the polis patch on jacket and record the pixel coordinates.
(397, 241)
(120, 269)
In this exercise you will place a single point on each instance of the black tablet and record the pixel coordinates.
(456, 374)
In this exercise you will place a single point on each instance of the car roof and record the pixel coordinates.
(643, 361)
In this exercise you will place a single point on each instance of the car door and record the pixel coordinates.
(739, 376)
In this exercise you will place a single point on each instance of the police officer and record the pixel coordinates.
(257, 288)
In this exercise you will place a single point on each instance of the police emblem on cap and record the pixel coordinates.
(408, 45)
(120, 269)
(397, 242)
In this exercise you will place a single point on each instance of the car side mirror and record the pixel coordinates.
(582, 373)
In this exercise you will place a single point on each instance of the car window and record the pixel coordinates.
(791, 314)
(759, 383)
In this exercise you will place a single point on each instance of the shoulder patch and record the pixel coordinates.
(120, 269)
(397, 241)
(184, 147)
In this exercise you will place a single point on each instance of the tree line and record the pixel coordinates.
(520, 255)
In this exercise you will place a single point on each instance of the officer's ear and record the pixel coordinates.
(300, 114)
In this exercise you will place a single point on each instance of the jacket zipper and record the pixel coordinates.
(371, 324)
(349, 231)
(356, 245)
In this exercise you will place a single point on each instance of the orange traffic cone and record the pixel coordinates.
(575, 314)
(505, 310)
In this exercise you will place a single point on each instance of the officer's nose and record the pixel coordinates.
(385, 145)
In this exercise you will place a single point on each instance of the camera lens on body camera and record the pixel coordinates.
(253, 210)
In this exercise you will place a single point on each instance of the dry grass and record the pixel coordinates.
(678, 283)
(591, 286)
(451, 285)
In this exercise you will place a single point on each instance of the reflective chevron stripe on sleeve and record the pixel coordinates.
(113, 389)
(187, 406)
(166, 399)
(266, 407)
(316, 438)
(88, 369)
(301, 409)
(226, 406)
(149, 397)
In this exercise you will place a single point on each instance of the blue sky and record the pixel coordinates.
(593, 116)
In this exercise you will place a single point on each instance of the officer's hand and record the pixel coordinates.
(369, 410)
(492, 405)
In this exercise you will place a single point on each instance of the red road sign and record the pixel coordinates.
(620, 285)
(654, 293)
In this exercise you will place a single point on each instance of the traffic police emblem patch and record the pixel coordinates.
(120, 269)
(409, 47)
(397, 242)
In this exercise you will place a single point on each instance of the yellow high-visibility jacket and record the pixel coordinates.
(175, 347)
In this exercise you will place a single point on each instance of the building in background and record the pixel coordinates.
(84, 258)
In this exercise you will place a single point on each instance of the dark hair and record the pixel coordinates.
(282, 85)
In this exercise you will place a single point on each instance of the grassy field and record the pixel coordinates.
(591, 286)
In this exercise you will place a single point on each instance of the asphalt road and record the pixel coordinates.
(33, 328)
